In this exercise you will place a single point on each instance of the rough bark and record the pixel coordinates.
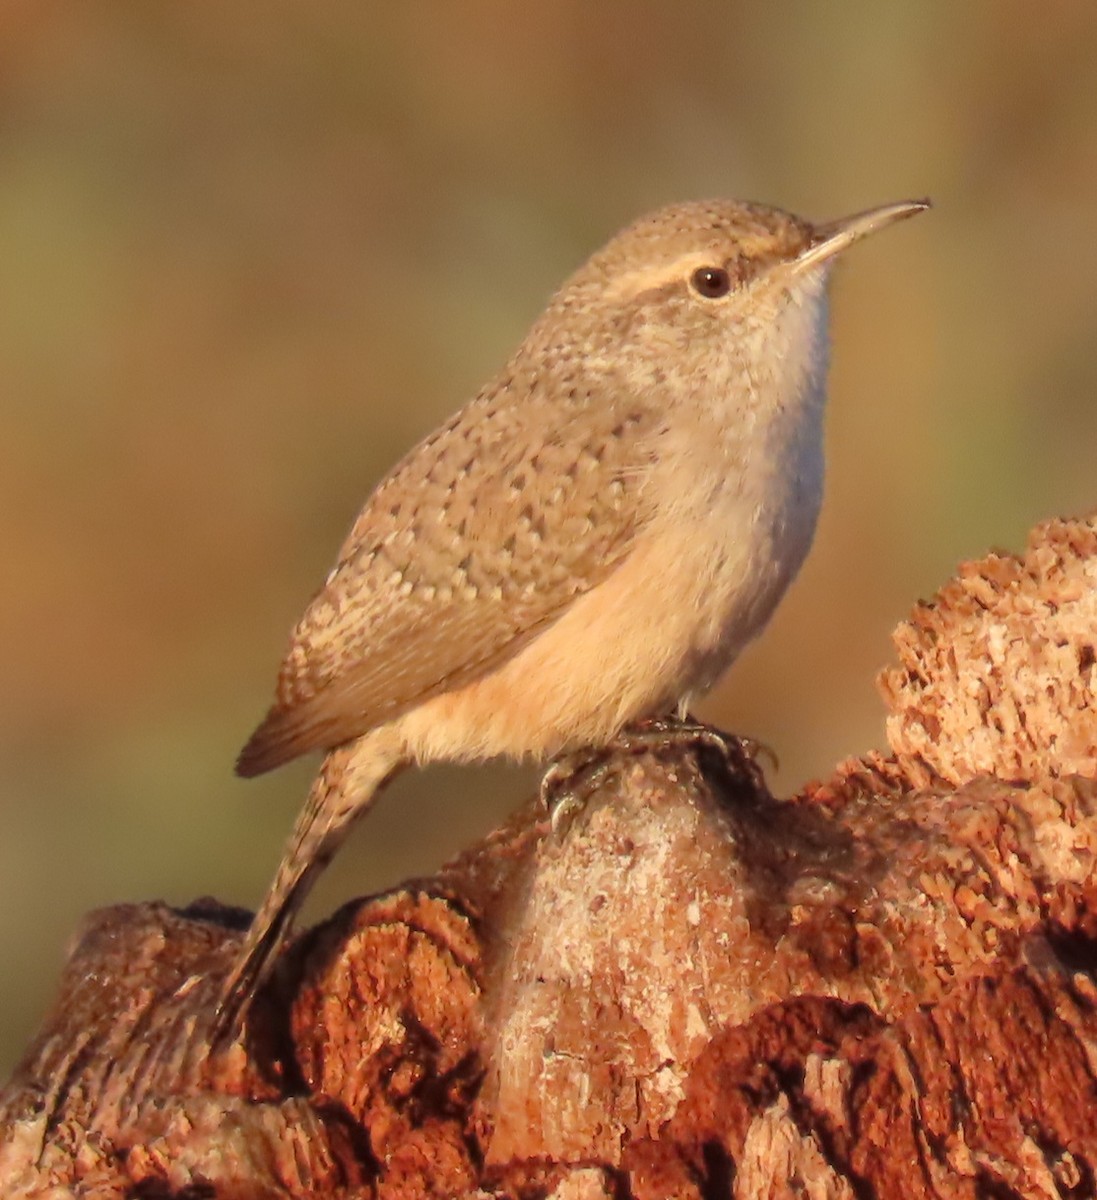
(884, 986)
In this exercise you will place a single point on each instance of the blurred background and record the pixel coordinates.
(250, 253)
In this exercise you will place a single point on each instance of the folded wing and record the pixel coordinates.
(479, 539)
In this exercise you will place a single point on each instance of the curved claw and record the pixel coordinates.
(570, 780)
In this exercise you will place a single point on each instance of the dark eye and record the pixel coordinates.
(711, 282)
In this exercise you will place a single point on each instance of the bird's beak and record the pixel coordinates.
(836, 236)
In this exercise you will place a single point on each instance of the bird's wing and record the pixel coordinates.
(476, 541)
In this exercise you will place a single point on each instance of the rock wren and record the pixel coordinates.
(593, 538)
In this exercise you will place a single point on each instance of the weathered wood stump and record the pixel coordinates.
(884, 986)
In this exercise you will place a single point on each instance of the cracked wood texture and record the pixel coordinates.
(881, 987)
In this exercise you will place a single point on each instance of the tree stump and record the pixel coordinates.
(883, 986)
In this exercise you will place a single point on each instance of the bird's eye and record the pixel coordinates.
(711, 282)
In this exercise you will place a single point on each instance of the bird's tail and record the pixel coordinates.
(350, 779)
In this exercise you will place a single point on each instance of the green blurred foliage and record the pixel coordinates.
(250, 253)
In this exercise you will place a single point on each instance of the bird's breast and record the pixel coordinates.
(744, 497)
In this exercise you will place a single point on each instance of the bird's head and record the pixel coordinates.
(710, 290)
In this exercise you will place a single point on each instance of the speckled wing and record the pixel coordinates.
(483, 535)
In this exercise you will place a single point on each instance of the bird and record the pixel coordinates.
(592, 539)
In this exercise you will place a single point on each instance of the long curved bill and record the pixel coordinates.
(836, 236)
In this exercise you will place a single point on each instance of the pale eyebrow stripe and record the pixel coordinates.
(652, 279)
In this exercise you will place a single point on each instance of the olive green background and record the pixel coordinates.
(249, 253)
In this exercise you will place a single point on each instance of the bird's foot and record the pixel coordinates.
(657, 733)
(573, 778)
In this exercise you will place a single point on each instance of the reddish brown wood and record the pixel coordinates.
(884, 986)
